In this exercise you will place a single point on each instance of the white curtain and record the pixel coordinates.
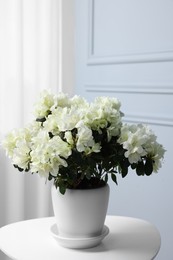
(29, 62)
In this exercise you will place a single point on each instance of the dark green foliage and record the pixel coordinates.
(41, 119)
(140, 169)
(114, 178)
(19, 169)
(148, 166)
(144, 167)
(93, 170)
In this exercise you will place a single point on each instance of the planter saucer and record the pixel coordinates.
(78, 243)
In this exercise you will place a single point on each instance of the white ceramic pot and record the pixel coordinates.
(80, 213)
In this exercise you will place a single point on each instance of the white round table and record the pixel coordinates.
(129, 238)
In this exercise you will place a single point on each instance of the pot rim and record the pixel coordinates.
(84, 189)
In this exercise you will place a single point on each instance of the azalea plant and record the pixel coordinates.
(79, 145)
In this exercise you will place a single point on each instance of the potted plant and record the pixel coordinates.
(79, 145)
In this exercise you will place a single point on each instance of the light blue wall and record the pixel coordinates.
(125, 49)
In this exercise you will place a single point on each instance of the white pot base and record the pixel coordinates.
(78, 243)
(80, 213)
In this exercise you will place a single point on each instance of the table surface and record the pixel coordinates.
(129, 238)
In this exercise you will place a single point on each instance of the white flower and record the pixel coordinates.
(106, 102)
(68, 132)
(68, 136)
(155, 151)
(95, 118)
(43, 107)
(21, 154)
(62, 100)
(133, 138)
(17, 143)
(79, 103)
(157, 155)
(85, 142)
(9, 143)
(139, 141)
(51, 124)
(59, 147)
(48, 154)
(104, 113)
(67, 119)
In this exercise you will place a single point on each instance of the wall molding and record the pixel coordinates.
(138, 57)
(163, 89)
(146, 119)
(162, 56)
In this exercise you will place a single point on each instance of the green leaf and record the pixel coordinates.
(41, 119)
(88, 175)
(50, 177)
(114, 178)
(19, 169)
(133, 166)
(140, 169)
(62, 189)
(50, 135)
(106, 178)
(70, 181)
(148, 167)
(124, 171)
(97, 174)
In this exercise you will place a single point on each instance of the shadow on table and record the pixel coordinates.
(124, 242)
